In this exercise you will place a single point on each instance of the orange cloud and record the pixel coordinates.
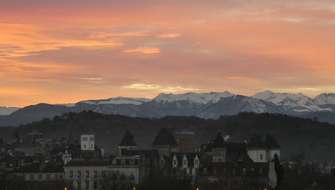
(101, 49)
(169, 35)
(159, 88)
(143, 50)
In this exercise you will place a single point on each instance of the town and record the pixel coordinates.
(80, 164)
(172, 161)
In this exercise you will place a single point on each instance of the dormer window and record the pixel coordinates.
(175, 162)
(196, 162)
(185, 163)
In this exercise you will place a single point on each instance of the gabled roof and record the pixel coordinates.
(128, 139)
(164, 138)
(218, 141)
(256, 142)
(237, 152)
(263, 142)
(271, 142)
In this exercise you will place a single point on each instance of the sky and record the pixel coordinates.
(63, 51)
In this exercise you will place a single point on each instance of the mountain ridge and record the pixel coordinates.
(204, 105)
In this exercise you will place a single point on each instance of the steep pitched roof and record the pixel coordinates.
(271, 142)
(263, 142)
(128, 139)
(237, 152)
(218, 141)
(164, 138)
(256, 142)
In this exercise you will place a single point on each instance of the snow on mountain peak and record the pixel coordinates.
(299, 102)
(198, 98)
(324, 99)
(118, 100)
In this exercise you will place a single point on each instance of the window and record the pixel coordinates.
(87, 184)
(95, 173)
(185, 162)
(91, 138)
(162, 162)
(84, 139)
(87, 173)
(196, 163)
(95, 185)
(71, 174)
(79, 174)
(261, 156)
(175, 163)
(234, 172)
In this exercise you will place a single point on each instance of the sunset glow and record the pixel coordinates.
(69, 50)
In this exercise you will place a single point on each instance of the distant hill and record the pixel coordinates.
(7, 110)
(204, 105)
(296, 136)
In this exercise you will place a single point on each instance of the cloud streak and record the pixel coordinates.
(159, 88)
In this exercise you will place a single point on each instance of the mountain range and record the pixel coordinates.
(205, 105)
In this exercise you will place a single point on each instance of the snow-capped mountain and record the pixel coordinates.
(324, 99)
(117, 101)
(197, 98)
(237, 104)
(291, 102)
(205, 105)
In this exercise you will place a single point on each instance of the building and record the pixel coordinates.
(81, 174)
(165, 142)
(87, 142)
(127, 143)
(263, 149)
(235, 165)
(185, 141)
(41, 172)
(185, 165)
(117, 172)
